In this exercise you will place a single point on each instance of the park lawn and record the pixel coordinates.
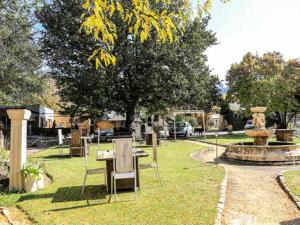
(189, 194)
(233, 138)
(292, 179)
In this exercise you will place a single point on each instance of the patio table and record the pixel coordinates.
(122, 184)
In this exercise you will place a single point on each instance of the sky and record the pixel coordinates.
(257, 26)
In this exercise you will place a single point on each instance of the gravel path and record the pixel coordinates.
(253, 195)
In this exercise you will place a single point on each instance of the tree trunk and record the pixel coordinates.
(281, 120)
(130, 111)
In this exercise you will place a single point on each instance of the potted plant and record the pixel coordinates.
(33, 173)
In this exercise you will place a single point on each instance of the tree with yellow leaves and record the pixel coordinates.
(142, 17)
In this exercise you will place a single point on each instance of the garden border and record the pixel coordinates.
(281, 181)
(222, 199)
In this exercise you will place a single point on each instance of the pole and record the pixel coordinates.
(174, 126)
(204, 124)
(216, 147)
(217, 134)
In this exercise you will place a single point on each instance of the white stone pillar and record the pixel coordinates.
(18, 145)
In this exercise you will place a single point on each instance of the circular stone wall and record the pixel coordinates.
(273, 152)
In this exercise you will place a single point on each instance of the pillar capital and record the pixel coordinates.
(18, 114)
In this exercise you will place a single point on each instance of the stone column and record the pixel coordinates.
(18, 145)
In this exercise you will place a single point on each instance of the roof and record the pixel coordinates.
(33, 108)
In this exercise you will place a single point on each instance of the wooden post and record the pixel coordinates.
(18, 146)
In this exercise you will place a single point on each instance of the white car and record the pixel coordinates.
(182, 129)
(249, 125)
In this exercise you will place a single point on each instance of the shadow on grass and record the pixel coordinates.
(70, 194)
(55, 157)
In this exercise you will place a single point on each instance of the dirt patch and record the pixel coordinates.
(253, 195)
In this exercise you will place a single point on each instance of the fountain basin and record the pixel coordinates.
(259, 133)
(273, 152)
(258, 109)
(284, 134)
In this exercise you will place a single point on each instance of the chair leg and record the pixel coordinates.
(135, 186)
(155, 173)
(158, 176)
(115, 189)
(84, 183)
(111, 185)
(105, 181)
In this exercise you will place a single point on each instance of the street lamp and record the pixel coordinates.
(216, 116)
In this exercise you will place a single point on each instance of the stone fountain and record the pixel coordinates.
(260, 151)
(260, 133)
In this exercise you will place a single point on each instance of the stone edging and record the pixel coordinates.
(224, 184)
(222, 199)
(281, 181)
(5, 213)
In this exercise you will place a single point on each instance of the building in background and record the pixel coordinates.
(41, 117)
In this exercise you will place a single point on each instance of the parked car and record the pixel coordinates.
(182, 129)
(104, 134)
(249, 125)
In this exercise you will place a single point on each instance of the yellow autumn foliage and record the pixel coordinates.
(141, 16)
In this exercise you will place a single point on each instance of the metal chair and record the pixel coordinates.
(124, 163)
(154, 163)
(90, 171)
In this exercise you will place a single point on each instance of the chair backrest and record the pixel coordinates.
(60, 137)
(85, 132)
(123, 160)
(75, 138)
(154, 142)
(133, 139)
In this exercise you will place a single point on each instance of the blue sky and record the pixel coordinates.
(257, 26)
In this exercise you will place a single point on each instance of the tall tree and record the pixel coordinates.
(266, 81)
(142, 17)
(147, 74)
(19, 57)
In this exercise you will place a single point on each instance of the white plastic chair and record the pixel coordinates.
(90, 171)
(60, 141)
(124, 166)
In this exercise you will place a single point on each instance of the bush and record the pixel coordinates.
(4, 155)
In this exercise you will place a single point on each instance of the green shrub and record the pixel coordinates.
(4, 154)
(34, 169)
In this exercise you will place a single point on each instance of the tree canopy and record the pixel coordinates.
(164, 18)
(19, 56)
(268, 81)
(147, 74)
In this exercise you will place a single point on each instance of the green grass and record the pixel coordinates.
(189, 194)
(232, 138)
(292, 179)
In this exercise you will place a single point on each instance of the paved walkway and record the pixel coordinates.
(253, 195)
